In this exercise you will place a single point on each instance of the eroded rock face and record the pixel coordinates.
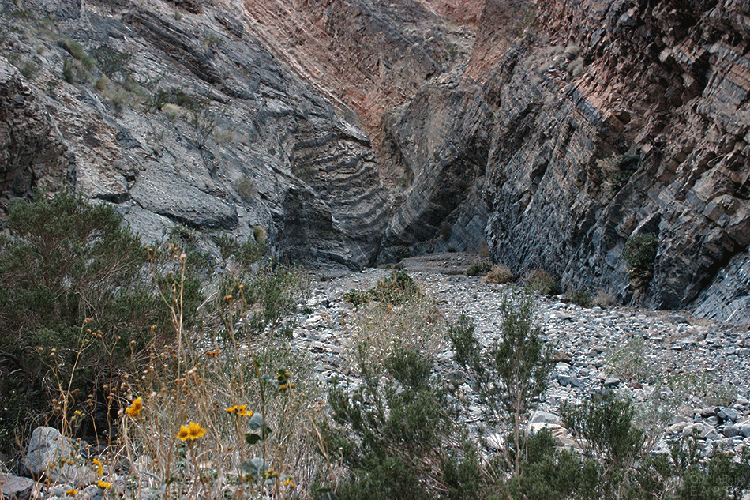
(442, 138)
(31, 152)
(185, 117)
(353, 131)
(586, 156)
(607, 119)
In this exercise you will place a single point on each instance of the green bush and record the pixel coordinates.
(391, 429)
(77, 309)
(402, 252)
(542, 282)
(512, 371)
(111, 61)
(551, 474)
(639, 254)
(174, 96)
(70, 72)
(624, 168)
(394, 289)
(249, 252)
(65, 264)
(76, 50)
(582, 297)
(604, 426)
(478, 268)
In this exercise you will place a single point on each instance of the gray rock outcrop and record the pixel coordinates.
(49, 453)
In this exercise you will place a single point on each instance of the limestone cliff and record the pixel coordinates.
(622, 118)
(354, 131)
(601, 120)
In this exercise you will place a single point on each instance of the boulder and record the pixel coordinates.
(15, 488)
(53, 455)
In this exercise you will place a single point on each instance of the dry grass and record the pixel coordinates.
(500, 275)
(228, 410)
(378, 328)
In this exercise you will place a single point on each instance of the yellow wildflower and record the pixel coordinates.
(71, 492)
(191, 431)
(135, 408)
(240, 410)
(99, 467)
(104, 484)
(184, 433)
(196, 431)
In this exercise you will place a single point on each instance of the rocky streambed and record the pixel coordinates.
(684, 374)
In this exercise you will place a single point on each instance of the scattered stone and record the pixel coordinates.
(15, 488)
(53, 455)
(611, 382)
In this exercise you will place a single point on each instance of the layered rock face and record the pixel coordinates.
(601, 121)
(356, 131)
(630, 119)
(179, 115)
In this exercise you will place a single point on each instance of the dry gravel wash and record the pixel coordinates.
(673, 343)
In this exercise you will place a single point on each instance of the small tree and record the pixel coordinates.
(604, 428)
(512, 371)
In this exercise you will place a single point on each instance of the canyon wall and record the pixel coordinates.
(549, 133)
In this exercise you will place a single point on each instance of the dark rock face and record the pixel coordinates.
(585, 158)
(351, 132)
(188, 119)
(442, 139)
(31, 153)
(611, 119)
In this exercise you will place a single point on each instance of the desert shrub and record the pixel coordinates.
(245, 189)
(462, 473)
(581, 296)
(478, 268)
(244, 400)
(542, 282)
(603, 299)
(629, 362)
(511, 371)
(402, 252)
(603, 427)
(102, 82)
(720, 477)
(29, 69)
(500, 275)
(390, 431)
(244, 253)
(68, 269)
(111, 61)
(70, 73)
(395, 289)
(400, 317)
(550, 473)
(624, 168)
(639, 254)
(173, 96)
